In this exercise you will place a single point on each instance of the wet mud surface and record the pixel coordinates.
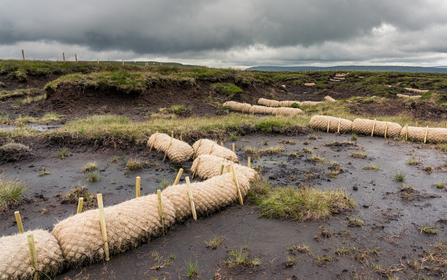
(388, 241)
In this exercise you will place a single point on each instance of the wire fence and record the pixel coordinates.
(50, 56)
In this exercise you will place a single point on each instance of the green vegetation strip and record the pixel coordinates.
(303, 204)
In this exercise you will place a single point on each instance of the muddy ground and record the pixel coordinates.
(389, 238)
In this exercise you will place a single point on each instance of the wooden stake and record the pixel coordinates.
(19, 221)
(328, 124)
(33, 255)
(23, 55)
(102, 221)
(241, 201)
(416, 124)
(221, 143)
(425, 137)
(406, 132)
(170, 142)
(76, 58)
(249, 162)
(374, 126)
(155, 138)
(138, 186)
(339, 123)
(80, 203)
(179, 174)
(391, 120)
(211, 150)
(181, 139)
(160, 212)
(234, 150)
(368, 117)
(221, 169)
(97, 59)
(445, 125)
(228, 168)
(63, 55)
(386, 128)
(191, 199)
(195, 171)
(195, 152)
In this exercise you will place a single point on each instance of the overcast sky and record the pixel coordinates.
(232, 33)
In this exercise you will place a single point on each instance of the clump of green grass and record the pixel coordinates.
(371, 167)
(72, 197)
(440, 185)
(429, 229)
(308, 150)
(4, 118)
(256, 153)
(11, 193)
(299, 249)
(19, 74)
(164, 183)
(227, 89)
(354, 136)
(355, 222)
(214, 242)
(44, 171)
(303, 204)
(359, 155)
(62, 153)
(22, 120)
(412, 161)
(94, 176)
(399, 176)
(192, 269)
(240, 257)
(50, 117)
(134, 164)
(179, 110)
(89, 166)
(316, 158)
(428, 169)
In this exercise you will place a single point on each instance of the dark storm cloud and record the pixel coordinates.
(201, 28)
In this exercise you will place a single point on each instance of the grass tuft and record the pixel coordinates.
(304, 204)
(399, 176)
(90, 166)
(192, 269)
(11, 193)
(359, 155)
(214, 242)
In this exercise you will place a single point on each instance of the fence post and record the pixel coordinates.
(23, 55)
(76, 57)
(97, 59)
(63, 55)
(123, 62)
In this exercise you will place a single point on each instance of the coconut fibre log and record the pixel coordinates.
(434, 135)
(269, 103)
(287, 111)
(323, 122)
(177, 152)
(238, 107)
(363, 126)
(128, 224)
(209, 166)
(205, 146)
(328, 98)
(15, 257)
(209, 196)
(309, 103)
(288, 103)
(256, 109)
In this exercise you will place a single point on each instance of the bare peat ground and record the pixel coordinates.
(386, 244)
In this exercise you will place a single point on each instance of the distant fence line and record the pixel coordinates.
(25, 55)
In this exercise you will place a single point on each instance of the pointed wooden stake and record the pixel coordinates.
(221, 169)
(234, 148)
(191, 200)
(249, 162)
(386, 129)
(425, 137)
(374, 126)
(179, 175)
(160, 212)
(195, 170)
(19, 221)
(80, 203)
(138, 186)
(170, 143)
(33, 255)
(241, 201)
(102, 221)
(195, 152)
(406, 132)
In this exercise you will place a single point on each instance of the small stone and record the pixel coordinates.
(355, 188)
